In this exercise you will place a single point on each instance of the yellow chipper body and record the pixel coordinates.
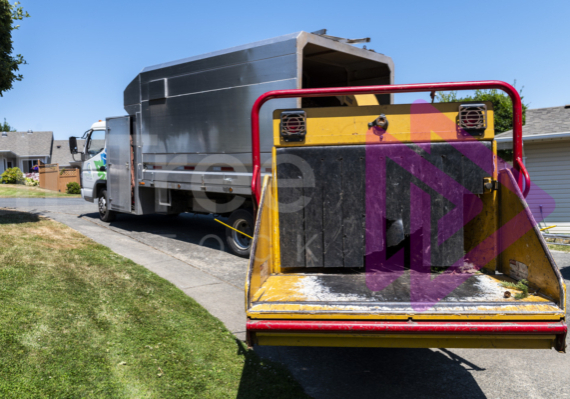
(398, 226)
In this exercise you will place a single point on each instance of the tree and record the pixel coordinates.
(9, 63)
(5, 127)
(502, 105)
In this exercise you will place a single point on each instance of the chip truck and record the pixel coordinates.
(185, 144)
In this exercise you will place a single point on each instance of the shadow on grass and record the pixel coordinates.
(15, 217)
(378, 372)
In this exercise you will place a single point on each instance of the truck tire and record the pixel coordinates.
(105, 214)
(241, 220)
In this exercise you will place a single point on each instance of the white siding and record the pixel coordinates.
(548, 164)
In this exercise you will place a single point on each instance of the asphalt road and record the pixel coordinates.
(342, 372)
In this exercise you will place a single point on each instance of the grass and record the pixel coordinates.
(563, 248)
(521, 286)
(21, 191)
(78, 320)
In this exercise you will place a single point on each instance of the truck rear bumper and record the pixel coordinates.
(398, 334)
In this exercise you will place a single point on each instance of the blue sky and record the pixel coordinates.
(82, 54)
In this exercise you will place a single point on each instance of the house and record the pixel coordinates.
(546, 141)
(24, 149)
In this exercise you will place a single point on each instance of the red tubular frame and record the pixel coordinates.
(557, 328)
(386, 89)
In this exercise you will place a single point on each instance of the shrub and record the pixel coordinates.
(31, 182)
(13, 176)
(73, 188)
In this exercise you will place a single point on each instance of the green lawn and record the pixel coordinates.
(563, 248)
(21, 191)
(78, 320)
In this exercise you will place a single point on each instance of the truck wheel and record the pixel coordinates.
(105, 214)
(241, 220)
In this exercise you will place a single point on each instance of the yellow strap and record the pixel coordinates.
(230, 227)
(549, 227)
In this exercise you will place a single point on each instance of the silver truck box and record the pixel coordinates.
(185, 145)
(191, 109)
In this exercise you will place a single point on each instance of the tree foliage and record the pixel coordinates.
(502, 105)
(5, 127)
(9, 63)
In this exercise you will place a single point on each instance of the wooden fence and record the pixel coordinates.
(51, 178)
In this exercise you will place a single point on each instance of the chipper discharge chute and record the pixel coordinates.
(393, 226)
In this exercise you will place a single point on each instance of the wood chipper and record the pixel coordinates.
(393, 226)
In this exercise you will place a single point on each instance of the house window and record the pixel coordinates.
(9, 164)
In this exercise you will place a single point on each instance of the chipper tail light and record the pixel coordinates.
(473, 117)
(293, 125)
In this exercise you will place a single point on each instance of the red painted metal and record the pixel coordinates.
(557, 328)
(403, 327)
(255, 182)
(524, 173)
(408, 88)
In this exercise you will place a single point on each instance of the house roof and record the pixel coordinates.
(543, 121)
(60, 153)
(27, 144)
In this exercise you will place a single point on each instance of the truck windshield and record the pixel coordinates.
(96, 143)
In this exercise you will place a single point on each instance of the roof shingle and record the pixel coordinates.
(543, 121)
(61, 154)
(27, 144)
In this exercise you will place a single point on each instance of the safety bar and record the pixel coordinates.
(523, 178)
(559, 329)
(402, 327)
(522, 170)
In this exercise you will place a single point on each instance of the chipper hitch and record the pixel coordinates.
(397, 226)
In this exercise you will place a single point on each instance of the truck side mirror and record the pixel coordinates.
(102, 168)
(73, 145)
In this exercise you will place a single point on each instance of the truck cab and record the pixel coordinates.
(95, 182)
(94, 165)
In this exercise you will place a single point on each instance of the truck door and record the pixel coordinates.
(119, 163)
(92, 170)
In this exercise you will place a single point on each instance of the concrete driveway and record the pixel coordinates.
(189, 251)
